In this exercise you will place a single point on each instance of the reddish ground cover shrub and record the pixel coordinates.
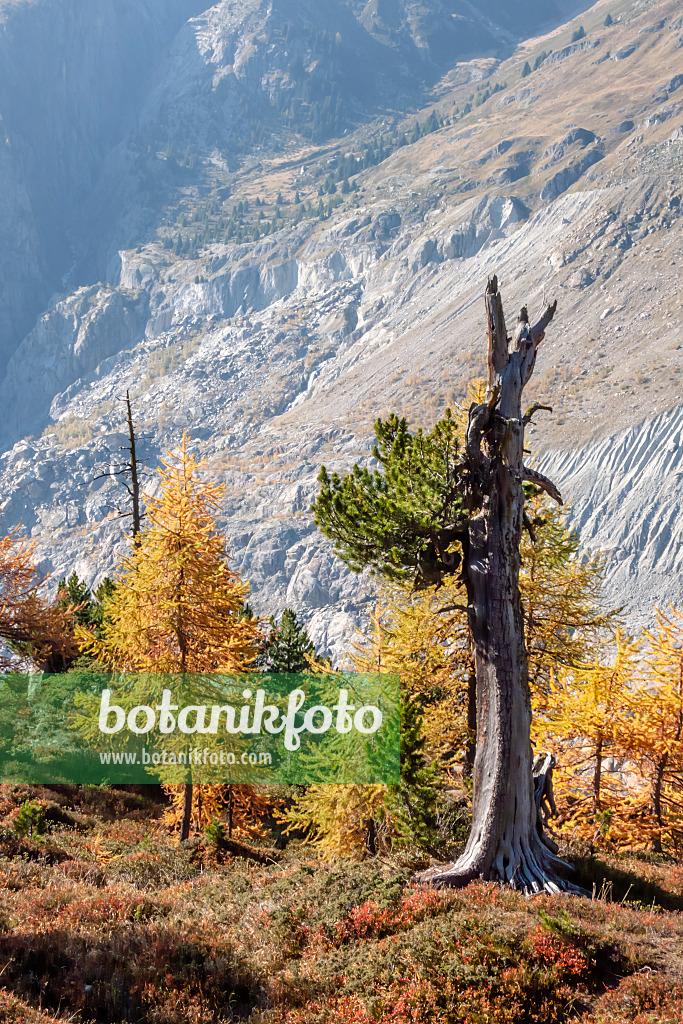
(117, 923)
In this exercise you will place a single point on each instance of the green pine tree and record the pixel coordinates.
(75, 591)
(400, 520)
(288, 646)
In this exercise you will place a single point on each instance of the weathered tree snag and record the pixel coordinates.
(129, 468)
(134, 489)
(544, 797)
(660, 768)
(505, 843)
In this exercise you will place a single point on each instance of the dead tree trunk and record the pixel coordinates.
(471, 745)
(129, 468)
(134, 489)
(504, 843)
(660, 768)
(186, 819)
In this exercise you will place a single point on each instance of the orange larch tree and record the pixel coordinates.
(30, 624)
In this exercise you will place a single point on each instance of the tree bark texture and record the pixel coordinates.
(505, 843)
(186, 819)
(471, 745)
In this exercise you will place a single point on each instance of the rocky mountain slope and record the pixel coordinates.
(91, 63)
(282, 229)
(625, 497)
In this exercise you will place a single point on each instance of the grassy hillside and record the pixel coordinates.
(105, 918)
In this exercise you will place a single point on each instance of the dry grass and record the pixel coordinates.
(105, 918)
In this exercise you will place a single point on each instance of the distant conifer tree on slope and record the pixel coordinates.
(289, 647)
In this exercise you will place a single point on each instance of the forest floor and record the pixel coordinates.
(105, 918)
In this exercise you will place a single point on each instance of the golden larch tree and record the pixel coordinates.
(178, 605)
(653, 734)
(417, 637)
(582, 723)
(561, 588)
(354, 820)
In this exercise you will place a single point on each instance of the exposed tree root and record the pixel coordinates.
(534, 872)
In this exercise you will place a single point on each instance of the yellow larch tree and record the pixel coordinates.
(562, 602)
(177, 606)
(344, 820)
(653, 735)
(239, 805)
(411, 640)
(582, 724)
(423, 639)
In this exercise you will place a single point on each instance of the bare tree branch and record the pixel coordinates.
(538, 330)
(532, 410)
(498, 340)
(534, 477)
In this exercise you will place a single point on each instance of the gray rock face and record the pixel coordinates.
(90, 61)
(571, 49)
(69, 341)
(625, 498)
(579, 137)
(569, 175)
(624, 51)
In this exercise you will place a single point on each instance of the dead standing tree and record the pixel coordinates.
(130, 470)
(505, 842)
(405, 519)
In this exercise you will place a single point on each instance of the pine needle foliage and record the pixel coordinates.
(87, 604)
(288, 647)
(399, 519)
(416, 795)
